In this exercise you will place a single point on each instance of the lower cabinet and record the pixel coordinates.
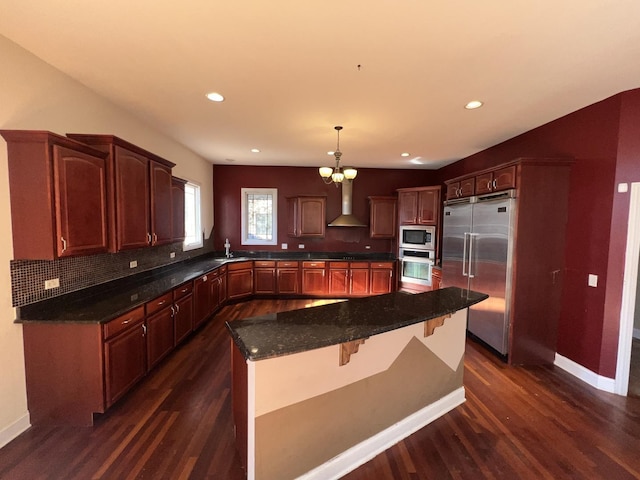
(201, 299)
(183, 312)
(239, 280)
(348, 278)
(382, 279)
(264, 274)
(359, 278)
(288, 277)
(124, 362)
(314, 281)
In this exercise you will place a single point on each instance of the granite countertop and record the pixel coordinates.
(101, 303)
(296, 331)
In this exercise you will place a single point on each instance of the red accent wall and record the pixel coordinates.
(291, 181)
(603, 140)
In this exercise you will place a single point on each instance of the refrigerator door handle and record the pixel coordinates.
(464, 255)
(471, 238)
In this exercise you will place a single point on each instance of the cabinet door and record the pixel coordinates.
(160, 335)
(177, 210)
(359, 281)
(483, 183)
(222, 286)
(124, 362)
(265, 280)
(288, 281)
(504, 178)
(452, 191)
(381, 280)
(201, 296)
(408, 208)
(183, 318)
(307, 216)
(314, 281)
(239, 283)
(429, 206)
(214, 292)
(339, 281)
(81, 202)
(382, 217)
(132, 200)
(161, 204)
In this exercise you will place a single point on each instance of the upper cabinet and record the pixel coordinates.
(419, 206)
(58, 191)
(382, 217)
(307, 216)
(177, 210)
(486, 181)
(140, 182)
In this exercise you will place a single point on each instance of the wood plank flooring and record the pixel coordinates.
(517, 423)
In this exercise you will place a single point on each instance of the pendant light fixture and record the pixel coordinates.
(337, 174)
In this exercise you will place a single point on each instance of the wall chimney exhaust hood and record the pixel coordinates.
(347, 219)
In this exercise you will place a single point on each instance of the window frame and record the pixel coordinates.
(244, 192)
(198, 241)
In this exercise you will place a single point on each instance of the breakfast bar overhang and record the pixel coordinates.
(321, 390)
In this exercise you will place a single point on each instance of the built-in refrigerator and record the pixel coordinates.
(477, 254)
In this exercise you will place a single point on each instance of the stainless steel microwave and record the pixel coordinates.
(418, 237)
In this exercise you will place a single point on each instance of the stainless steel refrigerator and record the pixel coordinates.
(477, 252)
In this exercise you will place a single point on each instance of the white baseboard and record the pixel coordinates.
(359, 454)
(597, 381)
(636, 333)
(16, 428)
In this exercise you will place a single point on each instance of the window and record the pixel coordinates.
(259, 209)
(192, 218)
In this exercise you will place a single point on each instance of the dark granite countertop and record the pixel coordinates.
(296, 331)
(101, 303)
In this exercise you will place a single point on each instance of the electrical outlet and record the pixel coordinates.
(284, 246)
(172, 255)
(593, 280)
(53, 283)
(301, 245)
(133, 264)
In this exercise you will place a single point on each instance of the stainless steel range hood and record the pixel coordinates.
(347, 219)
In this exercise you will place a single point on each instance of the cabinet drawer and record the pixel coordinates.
(264, 263)
(287, 264)
(381, 264)
(183, 290)
(159, 303)
(359, 265)
(313, 264)
(239, 266)
(123, 322)
(338, 264)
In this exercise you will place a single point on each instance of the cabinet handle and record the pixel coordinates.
(177, 308)
(204, 279)
(184, 290)
(144, 330)
(173, 311)
(64, 244)
(390, 273)
(489, 185)
(155, 239)
(162, 302)
(128, 320)
(494, 183)
(148, 238)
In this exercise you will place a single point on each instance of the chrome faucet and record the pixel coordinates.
(227, 246)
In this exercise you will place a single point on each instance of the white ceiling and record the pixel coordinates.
(289, 70)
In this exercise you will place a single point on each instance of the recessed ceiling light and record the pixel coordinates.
(473, 104)
(255, 150)
(215, 97)
(416, 161)
(405, 154)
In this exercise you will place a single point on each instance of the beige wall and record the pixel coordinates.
(35, 96)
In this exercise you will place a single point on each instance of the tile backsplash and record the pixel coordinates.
(28, 277)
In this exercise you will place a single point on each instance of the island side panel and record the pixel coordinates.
(239, 398)
(294, 435)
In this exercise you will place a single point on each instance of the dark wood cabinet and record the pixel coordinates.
(288, 273)
(201, 299)
(359, 278)
(177, 210)
(382, 217)
(125, 361)
(436, 278)
(161, 203)
(239, 280)
(419, 206)
(307, 216)
(264, 277)
(58, 194)
(348, 278)
(339, 278)
(183, 314)
(382, 279)
(314, 280)
(160, 335)
(496, 180)
(140, 203)
(464, 187)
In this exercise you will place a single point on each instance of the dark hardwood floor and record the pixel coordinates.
(634, 370)
(517, 423)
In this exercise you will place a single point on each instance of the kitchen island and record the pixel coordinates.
(319, 391)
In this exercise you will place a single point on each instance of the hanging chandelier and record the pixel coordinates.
(337, 174)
